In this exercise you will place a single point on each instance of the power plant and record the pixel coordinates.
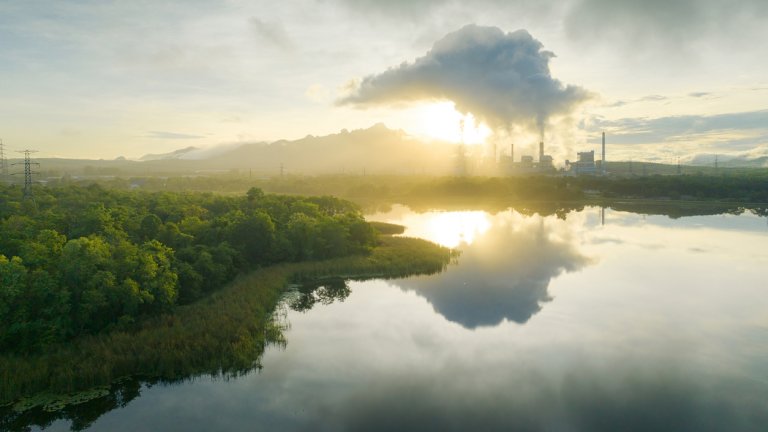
(527, 164)
(585, 163)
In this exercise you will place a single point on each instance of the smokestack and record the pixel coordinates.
(603, 162)
(512, 151)
(541, 151)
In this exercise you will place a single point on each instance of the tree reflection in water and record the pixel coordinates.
(324, 291)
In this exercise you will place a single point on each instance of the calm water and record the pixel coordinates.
(638, 323)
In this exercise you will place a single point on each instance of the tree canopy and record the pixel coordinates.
(80, 260)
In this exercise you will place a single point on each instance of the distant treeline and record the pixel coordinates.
(745, 186)
(741, 188)
(79, 260)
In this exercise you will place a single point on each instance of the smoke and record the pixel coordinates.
(503, 79)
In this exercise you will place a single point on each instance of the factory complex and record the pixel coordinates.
(585, 163)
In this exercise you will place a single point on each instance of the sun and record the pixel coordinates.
(441, 121)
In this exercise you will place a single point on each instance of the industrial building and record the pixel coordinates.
(585, 163)
(526, 165)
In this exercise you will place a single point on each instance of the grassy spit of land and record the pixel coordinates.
(225, 333)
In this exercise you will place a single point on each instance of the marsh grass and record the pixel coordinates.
(387, 228)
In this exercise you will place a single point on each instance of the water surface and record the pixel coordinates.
(601, 321)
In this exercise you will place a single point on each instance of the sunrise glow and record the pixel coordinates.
(441, 121)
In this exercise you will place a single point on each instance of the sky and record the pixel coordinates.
(665, 79)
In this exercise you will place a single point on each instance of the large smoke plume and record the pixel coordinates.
(503, 79)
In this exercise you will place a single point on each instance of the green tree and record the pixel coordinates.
(155, 275)
(253, 235)
(150, 226)
(44, 251)
(13, 277)
(302, 232)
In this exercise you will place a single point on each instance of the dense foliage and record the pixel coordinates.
(77, 260)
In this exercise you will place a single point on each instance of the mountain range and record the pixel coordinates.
(377, 149)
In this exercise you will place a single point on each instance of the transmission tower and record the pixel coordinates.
(3, 162)
(28, 172)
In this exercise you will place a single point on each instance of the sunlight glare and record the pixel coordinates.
(451, 229)
(442, 121)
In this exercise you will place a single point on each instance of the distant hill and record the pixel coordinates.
(730, 161)
(376, 149)
(176, 154)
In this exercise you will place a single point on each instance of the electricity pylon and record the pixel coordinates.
(28, 172)
(3, 162)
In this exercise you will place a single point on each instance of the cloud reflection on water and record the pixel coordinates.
(615, 399)
(503, 275)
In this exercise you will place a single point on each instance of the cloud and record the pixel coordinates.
(172, 135)
(503, 79)
(669, 25)
(648, 98)
(448, 10)
(662, 129)
(396, 8)
(272, 32)
(653, 98)
(629, 397)
(699, 94)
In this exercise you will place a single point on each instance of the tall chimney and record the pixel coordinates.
(541, 151)
(603, 162)
(512, 152)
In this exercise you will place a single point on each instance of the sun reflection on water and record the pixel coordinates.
(449, 229)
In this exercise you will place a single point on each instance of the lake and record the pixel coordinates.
(597, 320)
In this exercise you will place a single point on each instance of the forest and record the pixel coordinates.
(82, 260)
(733, 185)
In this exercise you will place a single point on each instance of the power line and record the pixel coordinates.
(3, 161)
(28, 172)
